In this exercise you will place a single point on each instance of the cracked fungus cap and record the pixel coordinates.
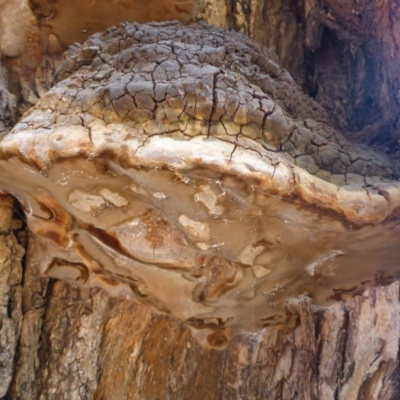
(182, 167)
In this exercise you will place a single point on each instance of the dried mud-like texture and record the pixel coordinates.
(182, 167)
(34, 33)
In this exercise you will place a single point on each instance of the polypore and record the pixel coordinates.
(181, 166)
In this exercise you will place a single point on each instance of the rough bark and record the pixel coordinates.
(61, 341)
(343, 53)
(11, 316)
(101, 348)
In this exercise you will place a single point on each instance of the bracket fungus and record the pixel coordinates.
(182, 167)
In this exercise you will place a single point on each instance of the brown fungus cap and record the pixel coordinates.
(182, 167)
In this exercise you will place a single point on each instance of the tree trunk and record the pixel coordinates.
(59, 340)
(343, 53)
(63, 342)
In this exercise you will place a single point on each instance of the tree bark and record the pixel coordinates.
(58, 340)
(64, 342)
(343, 53)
